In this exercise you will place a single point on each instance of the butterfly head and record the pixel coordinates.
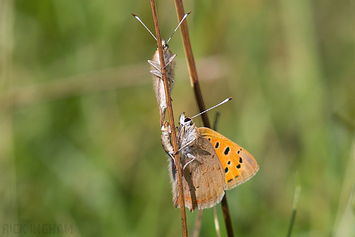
(166, 51)
(188, 131)
(185, 121)
(164, 44)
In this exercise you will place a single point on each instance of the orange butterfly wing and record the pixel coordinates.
(239, 165)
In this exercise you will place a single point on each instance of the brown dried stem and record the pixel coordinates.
(198, 96)
(171, 121)
(191, 63)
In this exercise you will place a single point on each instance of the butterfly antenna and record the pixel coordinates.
(224, 101)
(144, 26)
(178, 26)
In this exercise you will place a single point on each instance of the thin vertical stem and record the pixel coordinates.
(198, 222)
(226, 216)
(216, 224)
(296, 200)
(171, 121)
(198, 96)
(191, 63)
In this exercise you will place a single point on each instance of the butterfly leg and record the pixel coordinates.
(171, 82)
(154, 64)
(171, 59)
(157, 70)
(192, 157)
(157, 65)
(156, 73)
(186, 145)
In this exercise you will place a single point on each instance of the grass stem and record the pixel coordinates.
(171, 121)
(198, 95)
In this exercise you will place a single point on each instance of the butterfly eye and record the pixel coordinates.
(187, 120)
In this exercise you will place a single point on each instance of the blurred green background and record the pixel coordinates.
(79, 122)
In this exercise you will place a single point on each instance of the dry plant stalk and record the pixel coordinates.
(171, 121)
(198, 96)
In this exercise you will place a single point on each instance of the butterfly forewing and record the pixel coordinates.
(239, 165)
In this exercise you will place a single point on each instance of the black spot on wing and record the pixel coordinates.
(226, 151)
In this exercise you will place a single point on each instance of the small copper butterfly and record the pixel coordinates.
(211, 164)
(155, 68)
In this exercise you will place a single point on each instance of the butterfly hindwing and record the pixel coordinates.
(239, 165)
(203, 178)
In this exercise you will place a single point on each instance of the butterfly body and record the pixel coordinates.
(198, 160)
(210, 162)
(155, 70)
